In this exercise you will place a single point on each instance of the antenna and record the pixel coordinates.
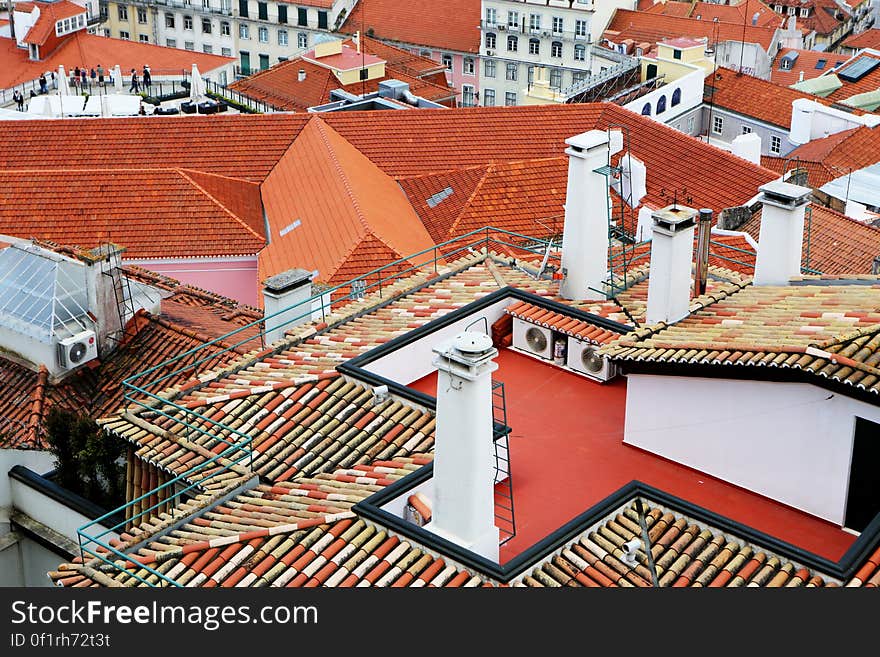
(742, 45)
(362, 49)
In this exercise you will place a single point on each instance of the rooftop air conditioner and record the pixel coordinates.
(490, 53)
(582, 357)
(77, 349)
(532, 339)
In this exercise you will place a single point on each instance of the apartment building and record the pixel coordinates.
(518, 37)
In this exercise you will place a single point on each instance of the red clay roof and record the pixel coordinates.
(153, 212)
(341, 212)
(849, 149)
(453, 25)
(640, 26)
(867, 39)
(806, 63)
(817, 173)
(50, 13)
(736, 13)
(669, 8)
(347, 59)
(404, 60)
(84, 49)
(869, 82)
(578, 328)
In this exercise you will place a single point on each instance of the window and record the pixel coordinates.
(123, 13)
(124, 35)
(676, 54)
(282, 14)
(556, 49)
(535, 22)
(245, 62)
(224, 28)
(468, 66)
(510, 98)
(557, 25)
(226, 52)
(777, 9)
(718, 124)
(207, 49)
(263, 34)
(581, 29)
(143, 38)
(263, 11)
(790, 10)
(169, 20)
(282, 38)
(467, 95)
(189, 45)
(510, 73)
(646, 109)
(491, 16)
(302, 16)
(490, 40)
(512, 42)
(171, 43)
(264, 62)
(446, 60)
(243, 8)
(775, 144)
(513, 19)
(556, 78)
(805, 11)
(302, 40)
(676, 97)
(489, 68)
(206, 26)
(322, 20)
(578, 76)
(488, 97)
(243, 31)
(580, 52)
(206, 5)
(661, 105)
(142, 16)
(821, 64)
(746, 130)
(187, 22)
(531, 75)
(534, 47)
(364, 73)
(690, 125)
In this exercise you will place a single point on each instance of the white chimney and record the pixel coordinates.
(585, 234)
(748, 147)
(672, 248)
(301, 75)
(802, 110)
(645, 225)
(283, 302)
(632, 184)
(780, 242)
(464, 494)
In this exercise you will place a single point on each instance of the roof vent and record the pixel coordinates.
(301, 75)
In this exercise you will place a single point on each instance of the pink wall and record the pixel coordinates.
(456, 77)
(236, 279)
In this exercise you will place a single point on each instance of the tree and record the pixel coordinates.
(87, 460)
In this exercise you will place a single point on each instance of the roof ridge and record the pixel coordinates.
(38, 398)
(491, 167)
(217, 202)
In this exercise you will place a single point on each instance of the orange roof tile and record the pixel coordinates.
(154, 213)
(325, 215)
(405, 23)
(817, 173)
(867, 39)
(83, 49)
(737, 13)
(869, 82)
(50, 13)
(812, 63)
(404, 60)
(669, 8)
(641, 26)
(850, 149)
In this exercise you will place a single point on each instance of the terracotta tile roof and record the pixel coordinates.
(822, 18)
(153, 212)
(744, 11)
(817, 173)
(671, 8)
(641, 26)
(831, 331)
(837, 244)
(754, 97)
(344, 209)
(869, 82)
(280, 85)
(849, 149)
(405, 61)
(84, 49)
(566, 324)
(869, 574)
(50, 13)
(812, 63)
(404, 23)
(867, 39)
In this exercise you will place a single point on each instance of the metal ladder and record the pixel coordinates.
(505, 518)
(124, 303)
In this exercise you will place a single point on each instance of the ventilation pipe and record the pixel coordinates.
(701, 268)
(646, 223)
(672, 245)
(780, 242)
(284, 298)
(301, 75)
(585, 234)
(464, 500)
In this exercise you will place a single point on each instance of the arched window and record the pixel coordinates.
(580, 52)
(534, 47)
(490, 40)
(676, 97)
(661, 105)
(646, 109)
(556, 49)
(511, 43)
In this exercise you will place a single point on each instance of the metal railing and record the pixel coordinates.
(243, 101)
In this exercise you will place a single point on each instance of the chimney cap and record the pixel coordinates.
(471, 342)
(783, 194)
(671, 219)
(287, 280)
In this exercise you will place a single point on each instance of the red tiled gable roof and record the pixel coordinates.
(817, 173)
(869, 82)
(849, 149)
(84, 49)
(867, 39)
(153, 212)
(50, 13)
(639, 26)
(822, 17)
(737, 13)
(805, 63)
(341, 203)
(405, 23)
(566, 324)
(405, 61)
(240, 197)
(669, 8)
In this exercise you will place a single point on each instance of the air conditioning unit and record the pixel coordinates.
(77, 349)
(532, 339)
(490, 53)
(502, 28)
(582, 357)
(545, 33)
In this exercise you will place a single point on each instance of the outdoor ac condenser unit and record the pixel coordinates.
(582, 357)
(533, 339)
(77, 349)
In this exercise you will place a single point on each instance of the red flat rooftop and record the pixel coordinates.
(346, 60)
(567, 454)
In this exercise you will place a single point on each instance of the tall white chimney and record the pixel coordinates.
(585, 234)
(780, 242)
(285, 295)
(802, 111)
(464, 500)
(672, 248)
(748, 147)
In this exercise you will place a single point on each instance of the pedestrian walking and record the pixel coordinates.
(18, 97)
(100, 75)
(147, 78)
(44, 89)
(134, 88)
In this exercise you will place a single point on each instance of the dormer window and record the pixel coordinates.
(805, 11)
(791, 11)
(777, 9)
(785, 64)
